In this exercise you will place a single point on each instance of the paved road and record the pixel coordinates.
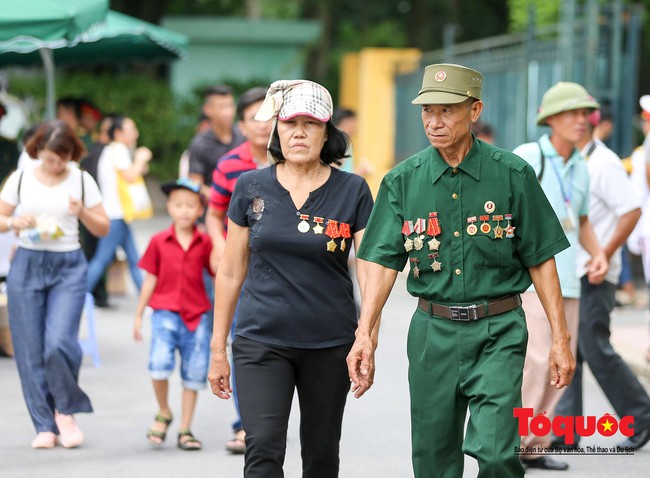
(375, 441)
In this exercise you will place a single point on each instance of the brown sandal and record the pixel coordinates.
(237, 445)
(189, 444)
(161, 435)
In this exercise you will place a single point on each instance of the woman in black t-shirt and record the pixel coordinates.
(291, 227)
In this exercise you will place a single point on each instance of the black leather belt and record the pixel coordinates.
(473, 311)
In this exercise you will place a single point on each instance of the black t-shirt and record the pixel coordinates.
(206, 149)
(298, 293)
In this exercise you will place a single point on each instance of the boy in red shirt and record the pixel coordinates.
(173, 288)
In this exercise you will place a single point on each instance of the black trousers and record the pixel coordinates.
(267, 376)
(618, 382)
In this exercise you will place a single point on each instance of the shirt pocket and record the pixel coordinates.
(491, 251)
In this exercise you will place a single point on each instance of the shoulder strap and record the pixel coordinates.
(591, 149)
(83, 183)
(20, 182)
(540, 175)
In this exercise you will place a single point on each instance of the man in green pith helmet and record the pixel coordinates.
(563, 175)
(476, 229)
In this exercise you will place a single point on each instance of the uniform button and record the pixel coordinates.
(456, 233)
(455, 170)
(454, 196)
(457, 272)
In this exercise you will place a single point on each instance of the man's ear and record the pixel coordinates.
(476, 109)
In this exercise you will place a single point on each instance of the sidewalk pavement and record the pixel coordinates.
(376, 428)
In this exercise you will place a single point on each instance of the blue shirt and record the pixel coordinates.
(562, 180)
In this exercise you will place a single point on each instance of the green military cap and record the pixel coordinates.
(564, 96)
(446, 83)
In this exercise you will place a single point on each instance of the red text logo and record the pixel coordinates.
(567, 426)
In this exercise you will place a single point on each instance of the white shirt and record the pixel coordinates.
(610, 197)
(50, 205)
(114, 157)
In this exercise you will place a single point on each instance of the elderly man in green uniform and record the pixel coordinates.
(476, 228)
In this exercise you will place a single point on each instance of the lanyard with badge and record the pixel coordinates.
(570, 222)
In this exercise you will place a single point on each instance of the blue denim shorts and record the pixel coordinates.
(169, 333)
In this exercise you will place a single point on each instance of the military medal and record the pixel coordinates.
(318, 228)
(433, 229)
(434, 244)
(303, 226)
(472, 229)
(344, 232)
(510, 230)
(407, 230)
(489, 207)
(435, 265)
(414, 267)
(333, 232)
(485, 227)
(498, 230)
(420, 226)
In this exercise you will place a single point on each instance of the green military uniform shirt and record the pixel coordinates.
(491, 185)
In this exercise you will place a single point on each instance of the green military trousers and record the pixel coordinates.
(454, 365)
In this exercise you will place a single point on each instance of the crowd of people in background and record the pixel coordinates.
(283, 154)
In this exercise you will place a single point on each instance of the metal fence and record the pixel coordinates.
(594, 45)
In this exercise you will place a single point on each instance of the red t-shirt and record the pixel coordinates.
(180, 274)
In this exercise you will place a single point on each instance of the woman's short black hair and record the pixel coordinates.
(333, 150)
(117, 123)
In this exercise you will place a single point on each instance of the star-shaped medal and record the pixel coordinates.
(318, 229)
(331, 246)
(436, 266)
(434, 244)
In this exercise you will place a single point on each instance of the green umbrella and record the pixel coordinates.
(40, 26)
(119, 38)
(28, 25)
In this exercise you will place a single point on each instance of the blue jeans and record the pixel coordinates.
(118, 235)
(168, 333)
(46, 292)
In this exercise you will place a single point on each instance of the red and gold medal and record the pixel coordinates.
(433, 229)
(433, 226)
(333, 232)
(485, 227)
(344, 232)
(498, 230)
(318, 228)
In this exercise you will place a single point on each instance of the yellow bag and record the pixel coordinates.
(134, 198)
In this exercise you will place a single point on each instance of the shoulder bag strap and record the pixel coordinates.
(20, 182)
(540, 175)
